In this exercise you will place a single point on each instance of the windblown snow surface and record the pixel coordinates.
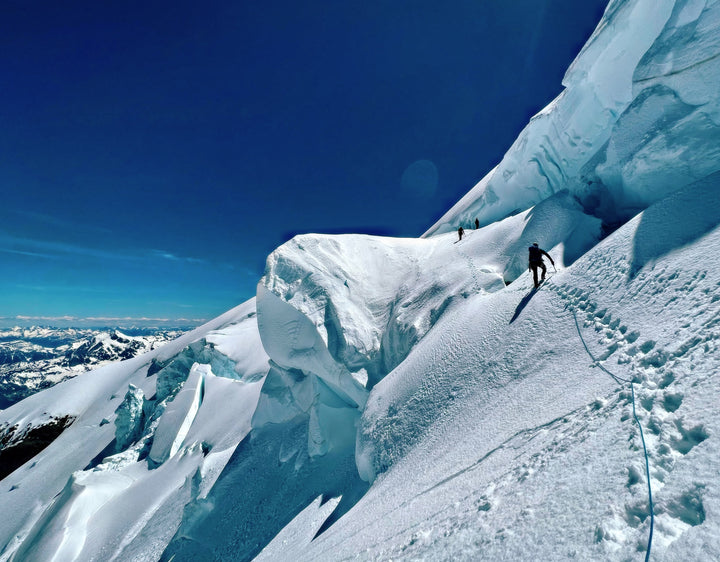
(385, 399)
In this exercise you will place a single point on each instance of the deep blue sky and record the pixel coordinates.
(153, 153)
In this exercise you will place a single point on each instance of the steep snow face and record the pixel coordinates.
(639, 118)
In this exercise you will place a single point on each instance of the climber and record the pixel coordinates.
(536, 260)
(477, 224)
(460, 233)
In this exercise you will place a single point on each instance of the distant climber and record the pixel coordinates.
(460, 233)
(477, 224)
(536, 260)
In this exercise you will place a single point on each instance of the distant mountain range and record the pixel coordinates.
(32, 359)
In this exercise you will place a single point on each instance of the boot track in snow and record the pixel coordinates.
(621, 381)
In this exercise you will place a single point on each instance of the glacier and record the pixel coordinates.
(384, 398)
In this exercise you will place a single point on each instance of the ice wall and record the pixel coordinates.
(179, 416)
(336, 314)
(639, 118)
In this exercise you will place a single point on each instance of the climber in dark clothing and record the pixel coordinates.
(460, 233)
(536, 260)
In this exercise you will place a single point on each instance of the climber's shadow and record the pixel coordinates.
(523, 303)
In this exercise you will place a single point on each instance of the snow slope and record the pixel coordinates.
(83, 497)
(495, 455)
(416, 399)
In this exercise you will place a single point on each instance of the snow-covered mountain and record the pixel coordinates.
(39, 357)
(415, 398)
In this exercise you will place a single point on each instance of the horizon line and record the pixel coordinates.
(22, 320)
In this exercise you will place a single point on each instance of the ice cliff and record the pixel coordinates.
(639, 118)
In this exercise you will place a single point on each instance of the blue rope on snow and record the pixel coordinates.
(647, 474)
(642, 436)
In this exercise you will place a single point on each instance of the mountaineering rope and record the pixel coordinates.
(647, 475)
(642, 436)
(595, 361)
